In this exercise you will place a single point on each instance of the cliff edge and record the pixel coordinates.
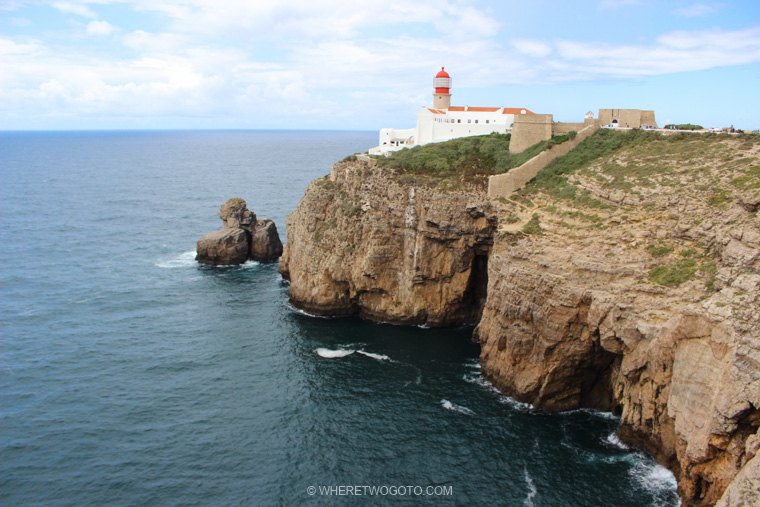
(625, 277)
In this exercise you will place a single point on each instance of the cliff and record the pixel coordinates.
(361, 242)
(625, 277)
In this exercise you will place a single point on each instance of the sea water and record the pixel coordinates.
(131, 375)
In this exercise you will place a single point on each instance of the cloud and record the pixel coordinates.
(697, 10)
(532, 48)
(80, 9)
(101, 28)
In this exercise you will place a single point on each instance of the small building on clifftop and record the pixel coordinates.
(443, 122)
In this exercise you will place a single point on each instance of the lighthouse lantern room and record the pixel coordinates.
(442, 95)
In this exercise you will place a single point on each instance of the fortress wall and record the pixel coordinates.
(502, 185)
(562, 128)
(530, 129)
(647, 118)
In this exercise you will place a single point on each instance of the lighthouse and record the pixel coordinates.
(442, 84)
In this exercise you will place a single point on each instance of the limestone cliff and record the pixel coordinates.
(630, 284)
(362, 242)
(644, 301)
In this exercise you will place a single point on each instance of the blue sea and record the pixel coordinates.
(131, 375)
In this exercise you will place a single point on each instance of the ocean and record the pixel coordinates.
(131, 375)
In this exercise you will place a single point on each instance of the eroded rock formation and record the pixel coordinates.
(241, 238)
(642, 298)
(361, 242)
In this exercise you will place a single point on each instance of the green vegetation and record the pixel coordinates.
(750, 179)
(512, 219)
(673, 275)
(684, 126)
(471, 159)
(660, 250)
(533, 226)
(552, 180)
(719, 198)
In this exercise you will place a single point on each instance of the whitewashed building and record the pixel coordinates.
(443, 122)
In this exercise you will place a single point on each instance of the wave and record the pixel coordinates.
(480, 381)
(614, 441)
(187, 259)
(532, 491)
(655, 478)
(379, 357)
(331, 354)
(292, 308)
(183, 260)
(456, 408)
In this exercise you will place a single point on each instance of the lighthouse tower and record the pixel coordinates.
(442, 84)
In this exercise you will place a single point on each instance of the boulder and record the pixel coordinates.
(223, 247)
(236, 215)
(242, 237)
(265, 242)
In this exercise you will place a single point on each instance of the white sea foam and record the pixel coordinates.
(182, 260)
(531, 489)
(298, 310)
(331, 354)
(456, 408)
(187, 259)
(654, 477)
(615, 442)
(379, 357)
(479, 380)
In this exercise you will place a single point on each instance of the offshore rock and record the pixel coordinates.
(363, 242)
(242, 237)
(265, 242)
(223, 247)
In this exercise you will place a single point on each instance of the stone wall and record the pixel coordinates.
(627, 118)
(502, 185)
(562, 128)
(530, 129)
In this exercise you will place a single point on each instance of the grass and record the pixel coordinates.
(660, 250)
(470, 159)
(750, 179)
(533, 226)
(673, 275)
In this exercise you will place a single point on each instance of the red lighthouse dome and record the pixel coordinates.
(442, 82)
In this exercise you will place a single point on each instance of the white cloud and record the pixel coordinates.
(697, 10)
(80, 9)
(532, 48)
(101, 28)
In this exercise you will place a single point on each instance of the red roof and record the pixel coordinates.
(507, 110)
(443, 73)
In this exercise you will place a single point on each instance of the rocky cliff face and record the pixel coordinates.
(574, 317)
(642, 297)
(361, 242)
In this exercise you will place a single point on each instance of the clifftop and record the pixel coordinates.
(624, 277)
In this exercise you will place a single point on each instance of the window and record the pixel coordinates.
(476, 121)
(459, 121)
(469, 121)
(488, 121)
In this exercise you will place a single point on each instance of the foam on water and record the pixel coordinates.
(379, 357)
(331, 354)
(183, 260)
(531, 489)
(654, 477)
(187, 259)
(292, 308)
(456, 408)
(613, 440)
(480, 381)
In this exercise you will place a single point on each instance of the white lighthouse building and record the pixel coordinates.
(443, 122)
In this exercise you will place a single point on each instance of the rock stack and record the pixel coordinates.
(243, 237)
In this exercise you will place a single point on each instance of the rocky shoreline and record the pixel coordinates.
(575, 310)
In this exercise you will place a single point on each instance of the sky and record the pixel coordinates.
(365, 65)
